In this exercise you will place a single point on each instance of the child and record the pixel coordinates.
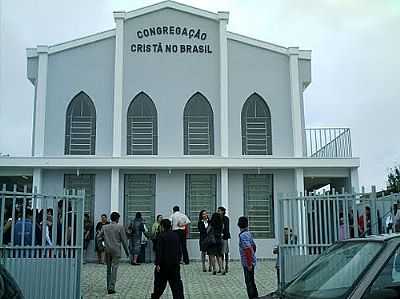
(247, 249)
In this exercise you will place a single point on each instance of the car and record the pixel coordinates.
(362, 268)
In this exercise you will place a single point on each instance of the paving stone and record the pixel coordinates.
(137, 281)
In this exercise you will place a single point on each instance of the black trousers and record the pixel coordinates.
(250, 283)
(172, 275)
(182, 241)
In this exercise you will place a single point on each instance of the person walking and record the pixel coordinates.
(135, 230)
(214, 243)
(111, 237)
(87, 234)
(167, 263)
(155, 231)
(247, 249)
(202, 226)
(179, 221)
(226, 235)
(99, 249)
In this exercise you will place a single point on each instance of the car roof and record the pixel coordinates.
(377, 238)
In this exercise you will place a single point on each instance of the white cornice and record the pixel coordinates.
(173, 5)
(303, 54)
(33, 52)
(176, 162)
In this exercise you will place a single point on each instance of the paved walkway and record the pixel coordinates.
(137, 281)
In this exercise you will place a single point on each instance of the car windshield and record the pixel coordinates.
(335, 272)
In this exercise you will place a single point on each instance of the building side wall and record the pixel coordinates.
(170, 79)
(252, 69)
(88, 68)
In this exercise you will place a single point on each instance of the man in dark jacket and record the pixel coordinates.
(167, 268)
(226, 235)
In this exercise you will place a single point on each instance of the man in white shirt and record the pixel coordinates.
(179, 223)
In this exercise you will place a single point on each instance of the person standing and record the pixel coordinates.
(247, 249)
(226, 235)
(100, 250)
(167, 263)
(136, 229)
(155, 231)
(214, 243)
(87, 234)
(179, 221)
(112, 236)
(202, 226)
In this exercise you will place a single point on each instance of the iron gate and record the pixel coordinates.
(309, 224)
(41, 243)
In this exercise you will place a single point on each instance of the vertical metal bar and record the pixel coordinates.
(64, 218)
(3, 211)
(320, 233)
(335, 212)
(73, 233)
(23, 216)
(54, 224)
(345, 217)
(34, 205)
(44, 225)
(355, 218)
(14, 200)
(326, 226)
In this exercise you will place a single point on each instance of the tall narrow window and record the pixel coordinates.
(201, 193)
(198, 124)
(142, 126)
(80, 126)
(258, 204)
(82, 182)
(256, 127)
(140, 194)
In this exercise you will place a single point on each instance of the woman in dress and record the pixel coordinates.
(214, 243)
(135, 231)
(202, 226)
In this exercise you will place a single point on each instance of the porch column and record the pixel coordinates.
(37, 180)
(225, 189)
(299, 181)
(115, 207)
(39, 114)
(355, 187)
(223, 82)
(119, 18)
(296, 102)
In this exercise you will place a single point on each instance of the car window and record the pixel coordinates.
(336, 271)
(387, 284)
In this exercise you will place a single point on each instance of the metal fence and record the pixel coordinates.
(41, 242)
(309, 224)
(328, 143)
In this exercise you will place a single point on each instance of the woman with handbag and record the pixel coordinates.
(214, 243)
(202, 226)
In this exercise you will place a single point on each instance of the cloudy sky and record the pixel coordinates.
(356, 65)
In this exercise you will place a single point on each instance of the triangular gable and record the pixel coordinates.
(173, 5)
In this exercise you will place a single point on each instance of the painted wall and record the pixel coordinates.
(252, 69)
(170, 79)
(89, 68)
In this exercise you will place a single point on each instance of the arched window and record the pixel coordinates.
(256, 127)
(198, 124)
(80, 126)
(142, 126)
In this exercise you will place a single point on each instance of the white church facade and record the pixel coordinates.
(170, 108)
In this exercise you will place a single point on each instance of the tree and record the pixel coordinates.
(394, 179)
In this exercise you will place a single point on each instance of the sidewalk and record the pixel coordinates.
(136, 282)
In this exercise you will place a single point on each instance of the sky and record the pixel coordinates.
(355, 62)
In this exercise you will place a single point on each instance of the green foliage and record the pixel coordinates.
(394, 179)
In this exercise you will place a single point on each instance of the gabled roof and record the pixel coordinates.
(173, 5)
(33, 52)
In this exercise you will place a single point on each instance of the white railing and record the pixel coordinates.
(328, 143)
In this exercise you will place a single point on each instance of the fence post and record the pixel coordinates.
(374, 217)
